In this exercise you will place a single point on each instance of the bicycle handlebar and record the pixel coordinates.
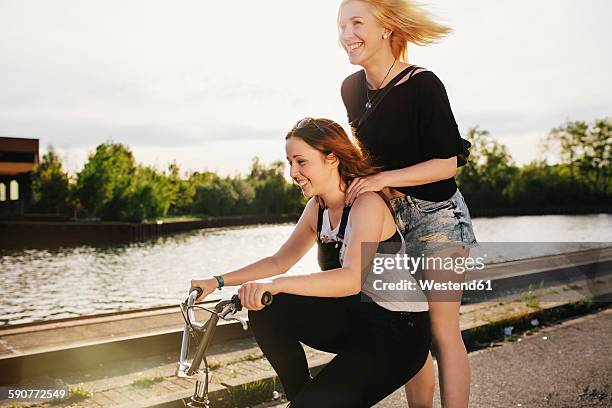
(222, 310)
(266, 300)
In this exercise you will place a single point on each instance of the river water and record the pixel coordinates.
(49, 284)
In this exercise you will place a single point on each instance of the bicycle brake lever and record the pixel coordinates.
(242, 320)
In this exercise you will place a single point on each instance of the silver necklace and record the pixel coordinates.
(368, 104)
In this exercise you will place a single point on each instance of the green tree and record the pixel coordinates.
(150, 195)
(176, 183)
(489, 171)
(261, 172)
(600, 149)
(186, 191)
(50, 185)
(587, 150)
(246, 196)
(217, 198)
(103, 185)
(273, 194)
(566, 139)
(539, 185)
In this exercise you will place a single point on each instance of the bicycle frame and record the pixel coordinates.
(203, 333)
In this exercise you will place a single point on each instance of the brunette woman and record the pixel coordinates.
(380, 340)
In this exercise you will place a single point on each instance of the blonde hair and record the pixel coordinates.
(408, 21)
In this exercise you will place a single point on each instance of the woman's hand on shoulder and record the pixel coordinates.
(362, 185)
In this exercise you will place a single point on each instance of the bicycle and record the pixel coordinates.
(203, 334)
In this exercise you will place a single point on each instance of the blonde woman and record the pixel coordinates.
(411, 133)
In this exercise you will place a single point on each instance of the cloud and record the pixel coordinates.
(160, 75)
(541, 121)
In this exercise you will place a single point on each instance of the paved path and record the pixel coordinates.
(240, 362)
(567, 365)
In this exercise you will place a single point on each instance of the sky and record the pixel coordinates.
(213, 84)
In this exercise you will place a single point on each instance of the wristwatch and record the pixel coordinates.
(220, 281)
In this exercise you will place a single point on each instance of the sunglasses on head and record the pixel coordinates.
(307, 121)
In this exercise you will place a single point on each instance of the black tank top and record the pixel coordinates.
(328, 253)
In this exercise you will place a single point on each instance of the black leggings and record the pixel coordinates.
(377, 350)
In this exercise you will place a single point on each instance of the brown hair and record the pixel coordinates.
(408, 21)
(327, 137)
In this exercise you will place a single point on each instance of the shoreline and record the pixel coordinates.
(20, 234)
(53, 234)
(505, 212)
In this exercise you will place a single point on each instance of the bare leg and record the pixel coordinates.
(453, 362)
(420, 388)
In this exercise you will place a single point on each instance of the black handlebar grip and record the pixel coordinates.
(266, 299)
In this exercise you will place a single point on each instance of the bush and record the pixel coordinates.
(50, 185)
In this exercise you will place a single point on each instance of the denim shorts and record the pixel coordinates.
(430, 225)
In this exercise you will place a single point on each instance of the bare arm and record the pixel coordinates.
(422, 173)
(366, 221)
(426, 172)
(299, 242)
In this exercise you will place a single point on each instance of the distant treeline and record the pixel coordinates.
(582, 177)
(112, 186)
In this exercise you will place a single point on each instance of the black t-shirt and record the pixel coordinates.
(413, 123)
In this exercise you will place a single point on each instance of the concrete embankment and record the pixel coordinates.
(17, 234)
(107, 354)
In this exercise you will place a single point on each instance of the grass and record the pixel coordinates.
(530, 298)
(246, 395)
(512, 338)
(147, 381)
(214, 364)
(584, 303)
(530, 332)
(79, 393)
(75, 394)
